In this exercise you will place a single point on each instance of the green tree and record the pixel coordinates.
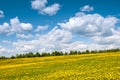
(30, 54)
(44, 54)
(71, 53)
(3, 57)
(87, 51)
(37, 54)
(55, 53)
(12, 57)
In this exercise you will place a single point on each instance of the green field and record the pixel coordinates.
(102, 66)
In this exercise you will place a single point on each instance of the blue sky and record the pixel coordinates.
(48, 25)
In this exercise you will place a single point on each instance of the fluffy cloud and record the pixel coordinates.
(1, 14)
(23, 36)
(56, 39)
(23, 46)
(77, 45)
(5, 52)
(2, 49)
(40, 5)
(102, 30)
(41, 28)
(87, 8)
(113, 39)
(58, 35)
(15, 26)
(51, 10)
(90, 25)
(5, 28)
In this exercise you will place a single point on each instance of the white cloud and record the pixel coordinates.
(107, 40)
(40, 5)
(1, 14)
(102, 30)
(58, 35)
(5, 28)
(41, 28)
(6, 42)
(90, 25)
(56, 39)
(77, 45)
(19, 27)
(51, 10)
(23, 36)
(87, 8)
(26, 26)
(2, 49)
(15, 26)
(5, 52)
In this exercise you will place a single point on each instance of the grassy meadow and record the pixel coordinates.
(101, 66)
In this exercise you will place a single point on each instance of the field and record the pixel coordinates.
(102, 66)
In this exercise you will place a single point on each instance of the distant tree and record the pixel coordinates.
(61, 53)
(101, 51)
(55, 53)
(83, 52)
(66, 53)
(116, 50)
(75, 52)
(71, 53)
(87, 51)
(78, 52)
(37, 54)
(48, 54)
(30, 54)
(19, 56)
(12, 57)
(3, 57)
(94, 51)
(44, 54)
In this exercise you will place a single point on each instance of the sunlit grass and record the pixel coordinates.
(104, 66)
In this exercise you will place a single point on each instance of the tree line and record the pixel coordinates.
(58, 53)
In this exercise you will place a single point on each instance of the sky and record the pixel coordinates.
(62, 25)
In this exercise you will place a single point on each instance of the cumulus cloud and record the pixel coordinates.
(90, 25)
(107, 40)
(23, 36)
(51, 10)
(53, 40)
(102, 30)
(41, 28)
(40, 5)
(5, 28)
(1, 14)
(58, 35)
(87, 8)
(2, 49)
(77, 45)
(15, 26)
(5, 52)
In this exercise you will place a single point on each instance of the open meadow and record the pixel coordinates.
(101, 66)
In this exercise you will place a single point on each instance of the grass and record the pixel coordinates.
(104, 66)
